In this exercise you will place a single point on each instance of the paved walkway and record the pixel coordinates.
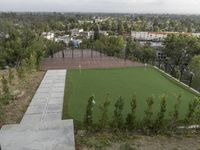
(41, 127)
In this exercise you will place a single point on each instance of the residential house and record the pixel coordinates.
(48, 35)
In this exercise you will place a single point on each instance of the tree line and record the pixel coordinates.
(24, 47)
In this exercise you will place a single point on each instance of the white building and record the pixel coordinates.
(87, 34)
(76, 32)
(149, 36)
(105, 33)
(48, 35)
(156, 36)
(196, 34)
(65, 38)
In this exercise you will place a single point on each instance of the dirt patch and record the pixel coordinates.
(159, 142)
(24, 89)
(85, 59)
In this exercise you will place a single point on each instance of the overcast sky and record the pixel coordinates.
(130, 6)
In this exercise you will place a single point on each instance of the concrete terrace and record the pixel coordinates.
(41, 127)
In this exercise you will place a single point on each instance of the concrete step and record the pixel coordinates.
(9, 127)
(56, 135)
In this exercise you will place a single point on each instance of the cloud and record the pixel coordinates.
(132, 6)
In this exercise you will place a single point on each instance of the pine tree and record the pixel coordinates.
(130, 120)
(10, 75)
(148, 113)
(118, 118)
(197, 111)
(159, 123)
(88, 121)
(192, 106)
(6, 96)
(104, 116)
(175, 114)
(32, 62)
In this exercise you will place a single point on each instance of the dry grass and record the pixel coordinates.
(24, 90)
(106, 141)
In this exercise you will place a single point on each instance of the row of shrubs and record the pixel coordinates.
(149, 123)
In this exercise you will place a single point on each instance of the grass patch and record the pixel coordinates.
(178, 83)
(123, 82)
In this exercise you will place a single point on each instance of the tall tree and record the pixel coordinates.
(195, 68)
(96, 32)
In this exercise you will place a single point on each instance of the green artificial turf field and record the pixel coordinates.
(123, 82)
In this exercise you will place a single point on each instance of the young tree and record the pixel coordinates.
(118, 118)
(104, 113)
(96, 32)
(159, 123)
(6, 96)
(148, 113)
(192, 106)
(10, 75)
(22, 69)
(32, 62)
(1, 111)
(194, 66)
(88, 121)
(197, 112)
(174, 116)
(130, 120)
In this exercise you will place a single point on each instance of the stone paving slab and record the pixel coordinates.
(38, 102)
(31, 119)
(45, 136)
(54, 108)
(59, 85)
(44, 89)
(55, 101)
(45, 85)
(35, 109)
(57, 95)
(52, 116)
